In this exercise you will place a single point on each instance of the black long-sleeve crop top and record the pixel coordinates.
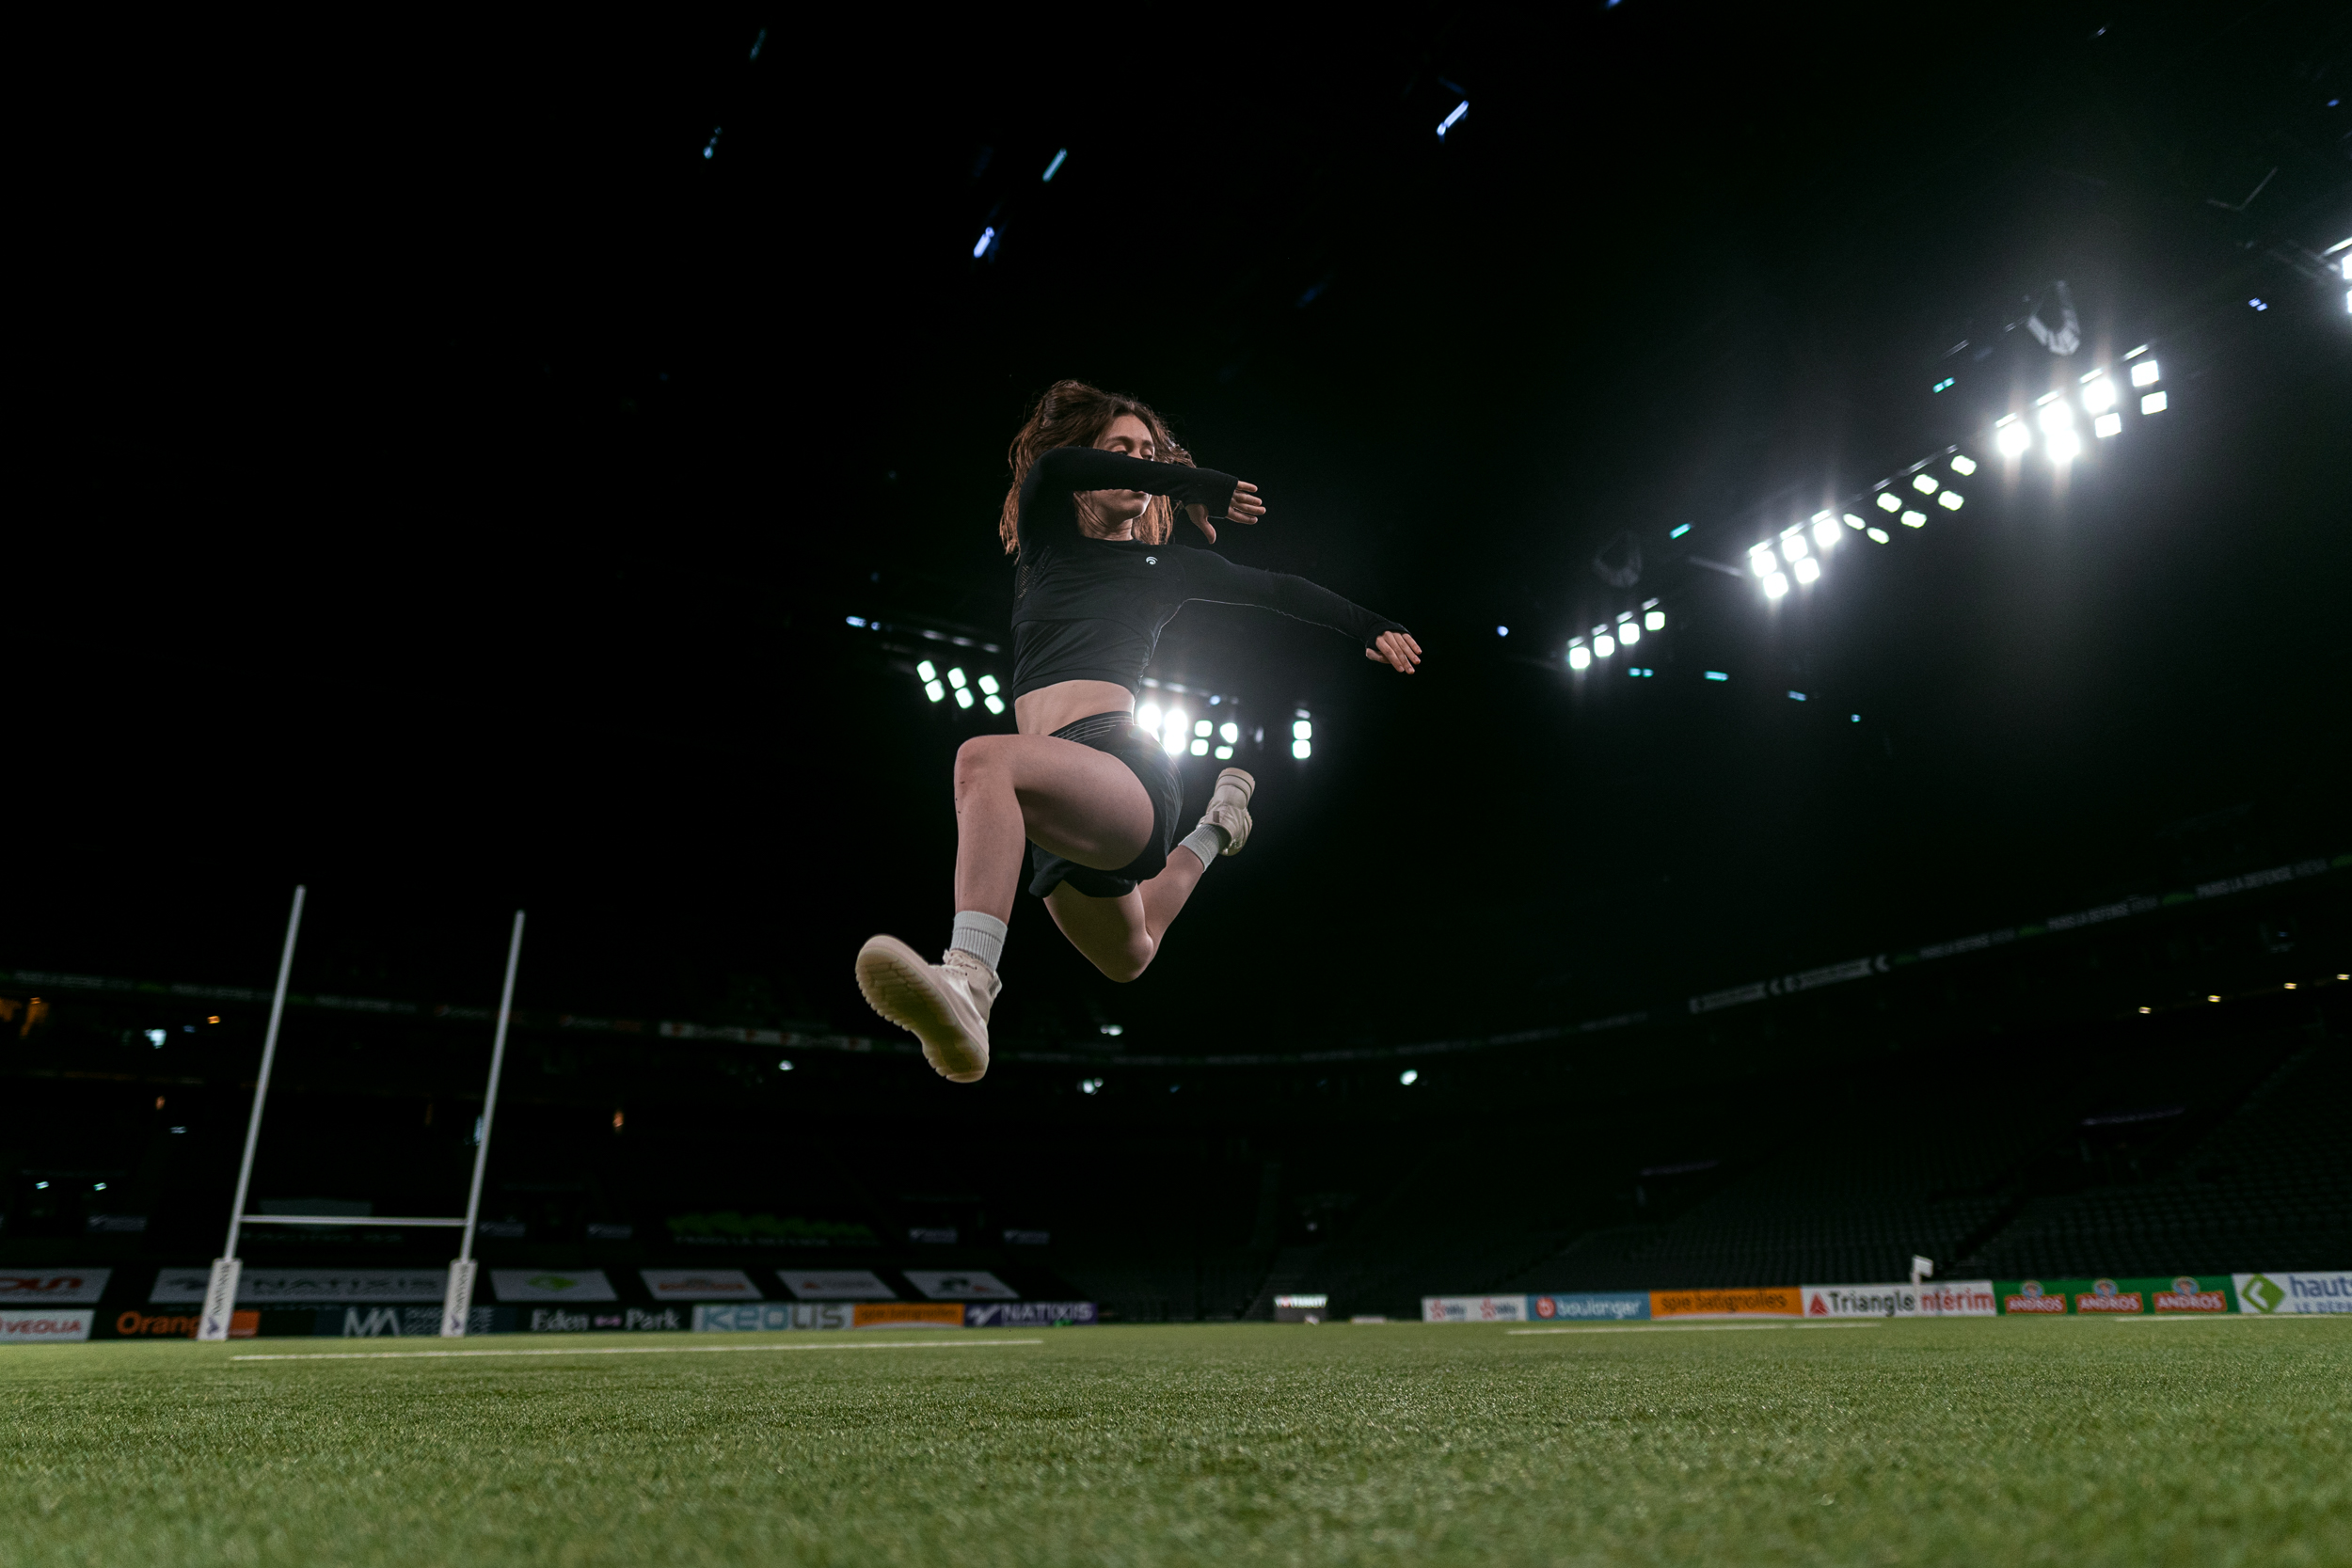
(1093, 608)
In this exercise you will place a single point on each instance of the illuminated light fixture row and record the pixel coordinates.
(2100, 398)
(961, 687)
(1792, 562)
(1624, 632)
(1179, 733)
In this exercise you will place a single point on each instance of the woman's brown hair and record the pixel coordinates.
(1072, 414)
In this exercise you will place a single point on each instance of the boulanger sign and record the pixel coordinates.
(1590, 1307)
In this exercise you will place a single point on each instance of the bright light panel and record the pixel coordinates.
(1915, 519)
(1949, 500)
(935, 691)
(2014, 439)
(1825, 532)
(988, 683)
(1302, 731)
(1792, 550)
(926, 670)
(1148, 717)
(993, 703)
(1408, 1077)
(2154, 402)
(1775, 585)
(1579, 658)
(1655, 621)
(2099, 396)
(1229, 732)
(1201, 727)
(1224, 754)
(2065, 446)
(1808, 570)
(963, 698)
(1888, 502)
(1879, 536)
(1604, 645)
(1760, 561)
(1179, 728)
(955, 678)
(1923, 484)
(1855, 523)
(2144, 373)
(1201, 748)
(1628, 633)
(1302, 750)
(2106, 425)
(2056, 416)
(1964, 464)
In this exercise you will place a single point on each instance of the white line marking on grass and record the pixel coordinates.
(1682, 1328)
(629, 1350)
(2212, 1318)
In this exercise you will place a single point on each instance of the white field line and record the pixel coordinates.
(1683, 1328)
(632, 1350)
(2212, 1317)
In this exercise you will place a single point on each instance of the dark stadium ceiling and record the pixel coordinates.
(474, 448)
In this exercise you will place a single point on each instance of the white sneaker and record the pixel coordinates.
(944, 1005)
(1229, 808)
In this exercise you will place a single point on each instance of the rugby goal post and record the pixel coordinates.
(220, 1290)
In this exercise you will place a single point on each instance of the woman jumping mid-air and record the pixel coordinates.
(1095, 579)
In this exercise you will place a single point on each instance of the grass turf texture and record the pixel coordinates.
(1989, 1442)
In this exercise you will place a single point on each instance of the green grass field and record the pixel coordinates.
(1985, 1443)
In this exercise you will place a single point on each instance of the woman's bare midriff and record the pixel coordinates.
(1064, 703)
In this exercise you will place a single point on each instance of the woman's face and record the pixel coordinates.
(1112, 513)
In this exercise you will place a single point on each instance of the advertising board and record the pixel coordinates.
(699, 1284)
(1950, 1298)
(773, 1317)
(306, 1286)
(1772, 1301)
(959, 1285)
(627, 1319)
(907, 1314)
(134, 1325)
(836, 1285)
(551, 1285)
(1027, 1314)
(45, 1325)
(406, 1323)
(24, 1287)
(2282, 1292)
(2155, 1295)
(1590, 1307)
(1473, 1309)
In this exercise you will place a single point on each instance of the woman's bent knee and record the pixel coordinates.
(1129, 965)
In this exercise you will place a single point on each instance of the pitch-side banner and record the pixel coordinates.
(551, 1285)
(307, 1286)
(2157, 1296)
(1949, 1298)
(20, 1288)
(836, 1285)
(1590, 1307)
(1027, 1314)
(1772, 1301)
(699, 1284)
(959, 1285)
(45, 1326)
(2280, 1293)
(1473, 1309)
(773, 1317)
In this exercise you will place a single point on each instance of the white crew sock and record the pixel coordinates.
(1208, 841)
(980, 935)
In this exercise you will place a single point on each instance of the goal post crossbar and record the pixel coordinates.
(360, 1221)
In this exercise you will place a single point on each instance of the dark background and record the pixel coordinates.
(449, 486)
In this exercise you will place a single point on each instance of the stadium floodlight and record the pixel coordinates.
(1889, 501)
(2056, 416)
(1760, 561)
(155, 1037)
(963, 698)
(935, 691)
(1229, 732)
(1951, 501)
(1629, 631)
(955, 678)
(1302, 730)
(2065, 446)
(1503, 631)
(1879, 536)
(2099, 394)
(1808, 569)
(1302, 750)
(1179, 729)
(1579, 658)
(1915, 519)
(1147, 718)
(1654, 621)
(1224, 754)
(993, 703)
(2109, 423)
(1408, 1077)
(926, 670)
(1825, 531)
(1924, 483)
(1792, 550)
(2013, 437)
(1855, 523)
(1604, 645)
(1199, 748)
(1964, 464)
(988, 684)
(1201, 727)
(2145, 373)
(2154, 402)
(1775, 585)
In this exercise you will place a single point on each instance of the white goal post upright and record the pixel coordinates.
(459, 1304)
(220, 1293)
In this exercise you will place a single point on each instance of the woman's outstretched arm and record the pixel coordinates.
(1212, 579)
(1060, 472)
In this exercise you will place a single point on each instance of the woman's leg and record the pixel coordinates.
(1082, 804)
(1121, 936)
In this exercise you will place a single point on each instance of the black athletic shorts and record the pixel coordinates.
(1115, 733)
